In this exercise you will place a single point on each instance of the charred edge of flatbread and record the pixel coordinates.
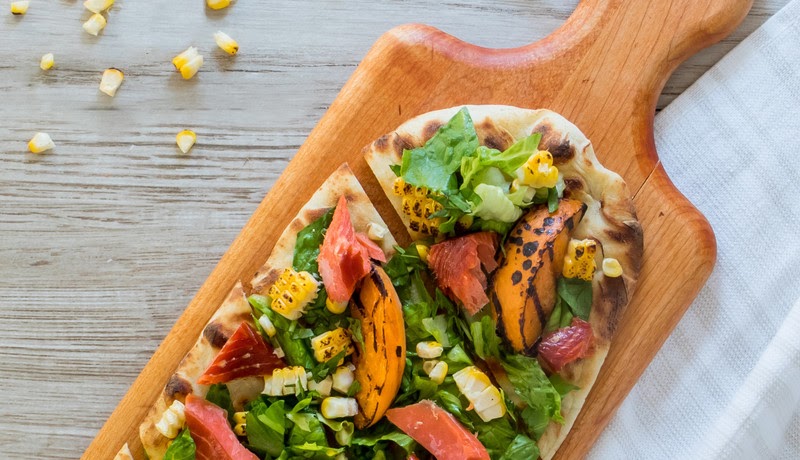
(610, 219)
(233, 311)
(362, 213)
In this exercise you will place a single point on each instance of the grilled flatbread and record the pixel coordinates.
(236, 309)
(609, 219)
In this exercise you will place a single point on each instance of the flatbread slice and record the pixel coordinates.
(236, 309)
(609, 219)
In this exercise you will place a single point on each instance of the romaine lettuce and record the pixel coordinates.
(495, 205)
(433, 165)
(182, 448)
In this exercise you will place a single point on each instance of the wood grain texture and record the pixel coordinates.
(104, 241)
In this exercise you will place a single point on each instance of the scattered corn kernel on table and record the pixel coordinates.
(105, 238)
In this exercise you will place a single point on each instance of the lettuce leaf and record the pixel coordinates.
(437, 327)
(343, 429)
(312, 450)
(290, 334)
(182, 448)
(496, 435)
(521, 447)
(309, 239)
(485, 340)
(561, 316)
(266, 426)
(495, 205)
(380, 435)
(434, 164)
(535, 389)
(515, 156)
(307, 437)
(449, 401)
(576, 293)
(218, 394)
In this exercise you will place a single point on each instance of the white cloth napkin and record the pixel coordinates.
(726, 385)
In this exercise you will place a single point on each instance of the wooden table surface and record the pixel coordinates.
(104, 240)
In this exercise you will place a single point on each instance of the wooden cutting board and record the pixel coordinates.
(603, 70)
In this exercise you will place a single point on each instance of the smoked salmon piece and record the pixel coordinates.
(245, 354)
(213, 437)
(456, 264)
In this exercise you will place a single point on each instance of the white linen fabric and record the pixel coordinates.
(726, 384)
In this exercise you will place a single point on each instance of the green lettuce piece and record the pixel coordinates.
(507, 161)
(437, 327)
(342, 429)
(562, 386)
(401, 266)
(561, 316)
(521, 447)
(380, 435)
(552, 200)
(309, 239)
(485, 341)
(307, 431)
(290, 335)
(266, 426)
(433, 165)
(457, 359)
(182, 448)
(576, 293)
(495, 435)
(218, 394)
(322, 370)
(313, 451)
(450, 402)
(515, 156)
(495, 205)
(535, 389)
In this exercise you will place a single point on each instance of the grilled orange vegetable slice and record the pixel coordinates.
(523, 289)
(381, 359)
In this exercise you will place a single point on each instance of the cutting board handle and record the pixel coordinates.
(655, 32)
(603, 69)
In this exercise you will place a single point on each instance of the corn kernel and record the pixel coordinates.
(376, 232)
(539, 171)
(484, 397)
(331, 343)
(190, 69)
(323, 387)
(422, 250)
(240, 420)
(338, 407)
(185, 140)
(429, 350)
(97, 6)
(40, 142)
(417, 205)
(94, 24)
(437, 372)
(47, 61)
(172, 420)
(292, 292)
(183, 58)
(21, 7)
(218, 4)
(611, 267)
(226, 43)
(267, 325)
(112, 79)
(343, 379)
(337, 308)
(286, 381)
(579, 260)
